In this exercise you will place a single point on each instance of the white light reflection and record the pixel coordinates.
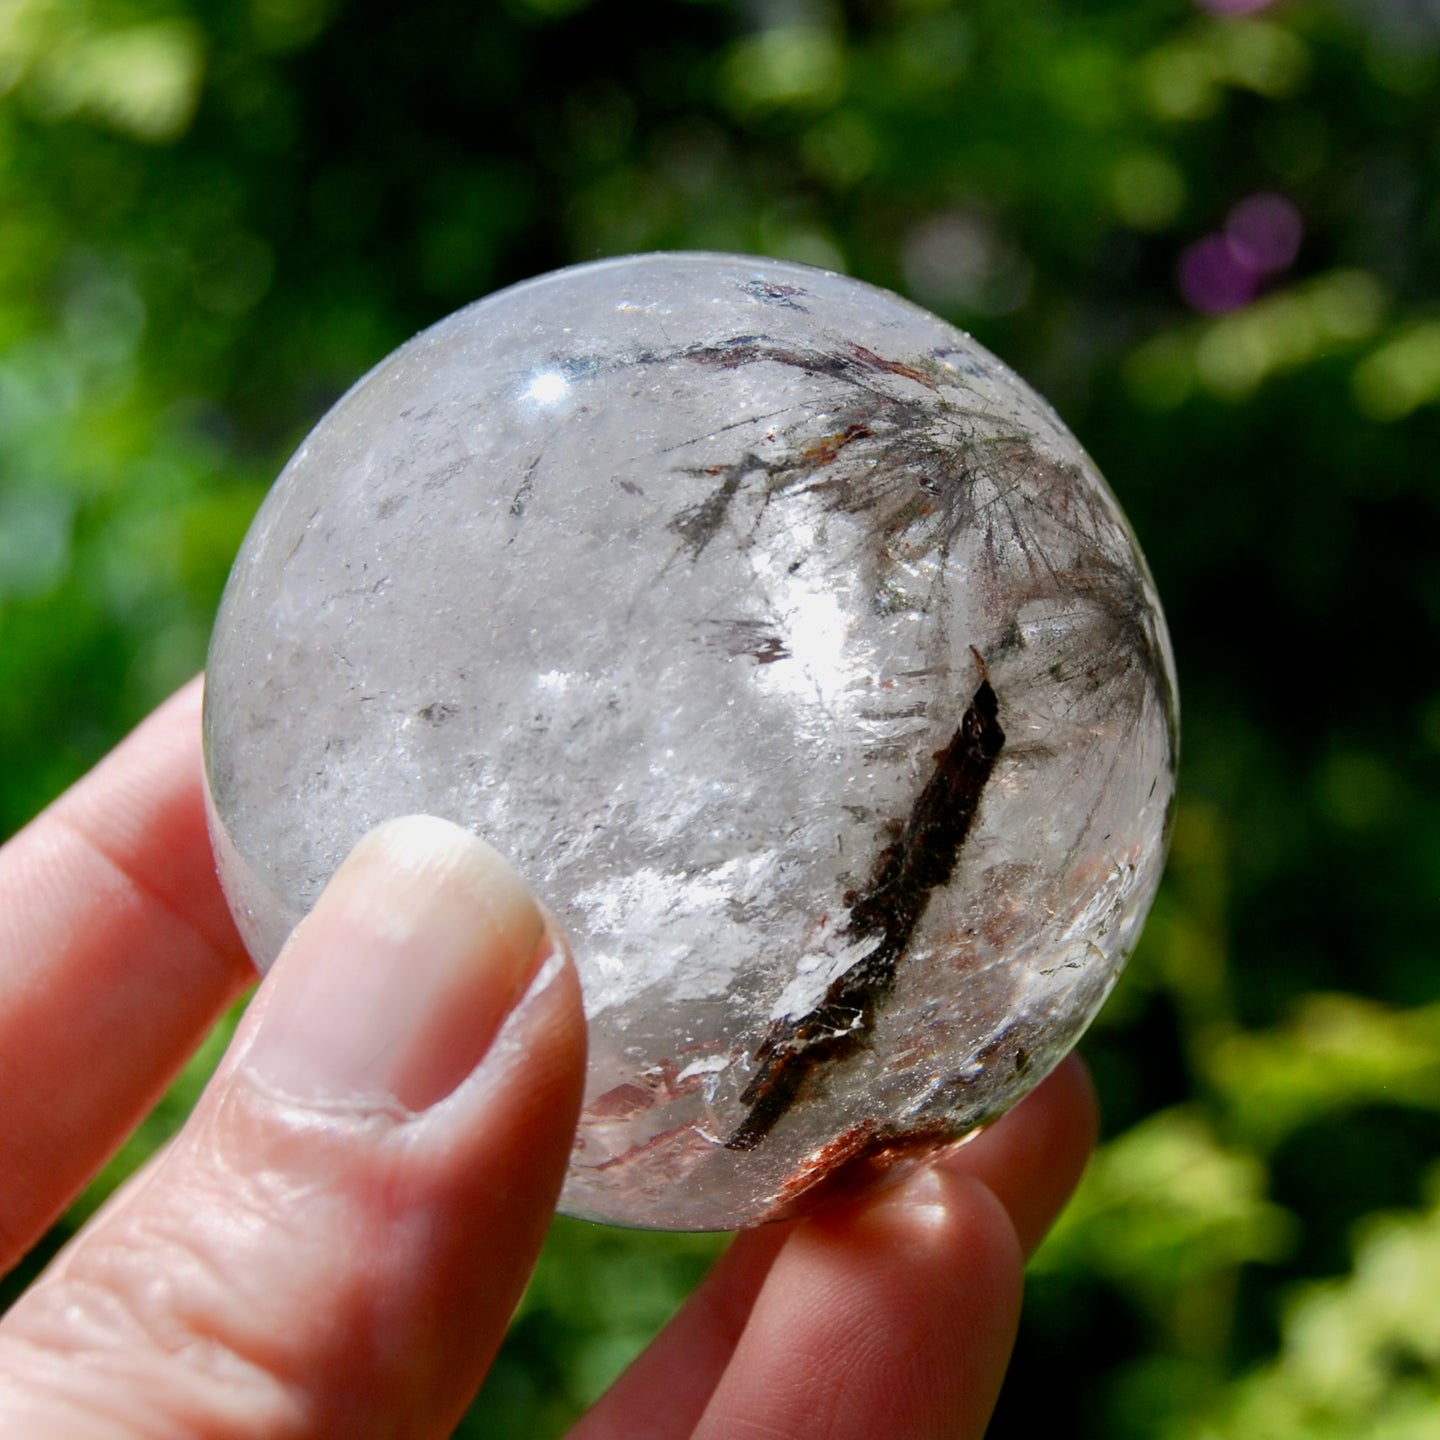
(547, 387)
(816, 628)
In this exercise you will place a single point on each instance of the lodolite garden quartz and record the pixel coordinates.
(789, 646)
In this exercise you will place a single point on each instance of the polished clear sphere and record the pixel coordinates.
(789, 646)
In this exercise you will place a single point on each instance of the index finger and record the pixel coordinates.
(117, 954)
(1028, 1162)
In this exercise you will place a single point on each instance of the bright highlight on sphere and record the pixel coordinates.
(789, 646)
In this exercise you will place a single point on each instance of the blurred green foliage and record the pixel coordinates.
(215, 214)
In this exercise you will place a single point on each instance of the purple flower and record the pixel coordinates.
(1232, 7)
(1222, 272)
(1266, 229)
(1215, 276)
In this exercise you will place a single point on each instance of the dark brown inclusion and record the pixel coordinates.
(919, 862)
(855, 1162)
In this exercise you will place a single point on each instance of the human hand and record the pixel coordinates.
(334, 1243)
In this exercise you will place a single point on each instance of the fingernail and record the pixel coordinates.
(395, 984)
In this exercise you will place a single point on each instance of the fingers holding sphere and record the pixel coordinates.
(340, 1234)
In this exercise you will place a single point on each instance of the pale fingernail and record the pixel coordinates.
(393, 988)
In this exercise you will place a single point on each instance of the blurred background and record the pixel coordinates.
(1209, 232)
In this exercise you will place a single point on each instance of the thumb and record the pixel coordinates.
(335, 1242)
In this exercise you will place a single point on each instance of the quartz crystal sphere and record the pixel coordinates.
(787, 644)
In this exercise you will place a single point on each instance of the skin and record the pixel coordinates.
(334, 1244)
